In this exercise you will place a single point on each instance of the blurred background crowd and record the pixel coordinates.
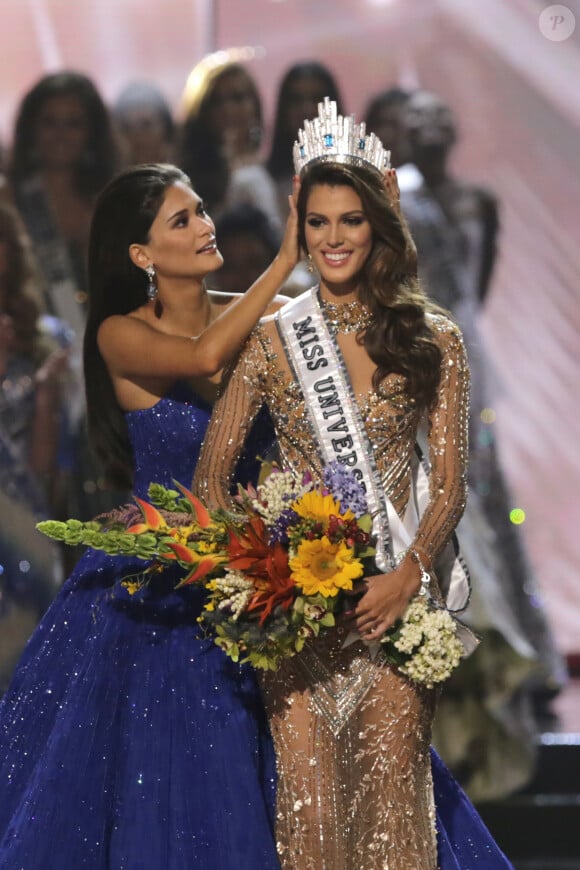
(476, 103)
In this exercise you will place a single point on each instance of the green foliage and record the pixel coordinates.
(168, 499)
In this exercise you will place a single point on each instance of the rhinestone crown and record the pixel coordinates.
(332, 138)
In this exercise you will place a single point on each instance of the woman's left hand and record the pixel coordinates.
(384, 600)
(392, 189)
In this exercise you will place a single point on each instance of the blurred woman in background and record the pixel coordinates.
(303, 86)
(31, 370)
(146, 123)
(222, 135)
(64, 151)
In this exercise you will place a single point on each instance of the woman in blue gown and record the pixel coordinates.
(128, 741)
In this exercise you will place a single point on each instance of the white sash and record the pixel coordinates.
(317, 363)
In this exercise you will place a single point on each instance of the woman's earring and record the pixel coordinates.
(310, 264)
(152, 286)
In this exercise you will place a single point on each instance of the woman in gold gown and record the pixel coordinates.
(351, 734)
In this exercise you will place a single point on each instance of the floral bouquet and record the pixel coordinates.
(276, 571)
(302, 546)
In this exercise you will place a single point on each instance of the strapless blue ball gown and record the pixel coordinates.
(128, 741)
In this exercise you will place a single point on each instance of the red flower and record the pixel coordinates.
(267, 563)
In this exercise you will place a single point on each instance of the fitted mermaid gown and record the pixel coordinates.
(128, 741)
(358, 785)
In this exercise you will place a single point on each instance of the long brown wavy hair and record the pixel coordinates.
(400, 338)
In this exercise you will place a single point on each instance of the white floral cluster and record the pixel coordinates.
(277, 493)
(237, 591)
(429, 637)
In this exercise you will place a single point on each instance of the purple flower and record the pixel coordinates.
(279, 530)
(345, 487)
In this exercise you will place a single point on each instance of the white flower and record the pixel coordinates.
(428, 637)
(278, 491)
(236, 591)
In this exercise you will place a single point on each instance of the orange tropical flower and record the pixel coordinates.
(152, 517)
(200, 512)
(202, 563)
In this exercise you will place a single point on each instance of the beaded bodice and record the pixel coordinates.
(390, 416)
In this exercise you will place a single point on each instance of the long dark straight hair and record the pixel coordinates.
(100, 159)
(123, 216)
(279, 162)
(399, 338)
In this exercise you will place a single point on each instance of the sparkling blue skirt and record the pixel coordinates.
(128, 741)
(463, 841)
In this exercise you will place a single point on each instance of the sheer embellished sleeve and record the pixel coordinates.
(447, 437)
(239, 402)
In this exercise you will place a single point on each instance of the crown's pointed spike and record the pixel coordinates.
(330, 137)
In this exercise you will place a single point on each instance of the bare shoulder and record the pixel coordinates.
(121, 328)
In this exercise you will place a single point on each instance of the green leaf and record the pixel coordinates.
(328, 620)
(365, 522)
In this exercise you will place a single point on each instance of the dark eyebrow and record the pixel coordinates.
(182, 211)
(354, 211)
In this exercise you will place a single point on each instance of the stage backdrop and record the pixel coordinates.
(515, 91)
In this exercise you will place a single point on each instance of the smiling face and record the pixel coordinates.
(181, 239)
(338, 235)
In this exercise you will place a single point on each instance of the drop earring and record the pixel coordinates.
(151, 286)
(310, 266)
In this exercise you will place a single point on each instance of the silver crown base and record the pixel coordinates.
(345, 159)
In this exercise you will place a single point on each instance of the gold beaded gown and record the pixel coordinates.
(351, 734)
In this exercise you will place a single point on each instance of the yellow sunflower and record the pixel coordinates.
(315, 506)
(325, 568)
